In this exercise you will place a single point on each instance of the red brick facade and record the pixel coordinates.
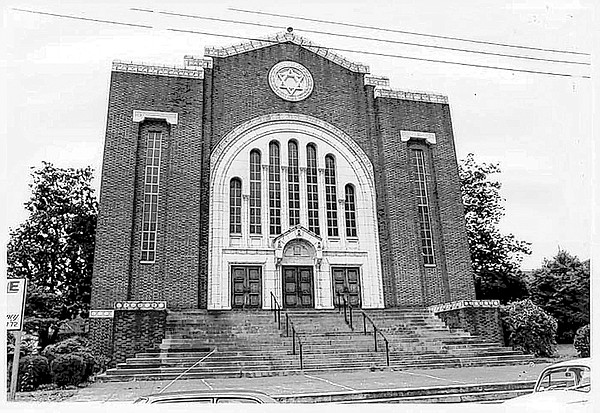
(233, 90)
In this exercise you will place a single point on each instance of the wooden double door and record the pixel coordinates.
(246, 286)
(346, 282)
(298, 287)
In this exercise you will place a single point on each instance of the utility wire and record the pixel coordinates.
(194, 16)
(330, 48)
(407, 32)
(66, 16)
(394, 55)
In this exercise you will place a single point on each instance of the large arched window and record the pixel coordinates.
(330, 197)
(350, 206)
(293, 183)
(274, 189)
(255, 223)
(235, 206)
(312, 191)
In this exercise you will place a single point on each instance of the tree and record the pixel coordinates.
(562, 288)
(496, 257)
(54, 247)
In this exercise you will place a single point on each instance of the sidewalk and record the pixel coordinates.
(318, 382)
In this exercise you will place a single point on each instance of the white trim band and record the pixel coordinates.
(406, 135)
(457, 305)
(140, 305)
(102, 313)
(170, 117)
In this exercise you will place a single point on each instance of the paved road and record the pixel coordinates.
(318, 383)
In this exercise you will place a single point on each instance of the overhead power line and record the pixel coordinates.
(407, 32)
(195, 16)
(398, 56)
(66, 16)
(113, 22)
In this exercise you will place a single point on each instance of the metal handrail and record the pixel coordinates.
(347, 307)
(375, 331)
(276, 309)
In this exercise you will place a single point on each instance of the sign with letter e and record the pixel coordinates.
(15, 303)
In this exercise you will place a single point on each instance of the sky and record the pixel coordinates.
(537, 127)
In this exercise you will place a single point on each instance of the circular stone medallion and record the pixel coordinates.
(291, 81)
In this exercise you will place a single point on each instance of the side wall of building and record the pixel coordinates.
(415, 283)
(118, 273)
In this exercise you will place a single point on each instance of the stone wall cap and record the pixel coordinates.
(418, 96)
(147, 69)
(285, 37)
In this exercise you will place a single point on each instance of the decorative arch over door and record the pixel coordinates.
(269, 218)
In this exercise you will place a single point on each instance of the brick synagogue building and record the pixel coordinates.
(275, 174)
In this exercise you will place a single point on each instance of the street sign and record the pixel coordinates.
(15, 303)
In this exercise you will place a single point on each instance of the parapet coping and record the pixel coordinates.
(146, 69)
(285, 37)
(457, 305)
(419, 96)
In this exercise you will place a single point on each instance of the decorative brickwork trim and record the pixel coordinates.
(141, 115)
(410, 95)
(140, 305)
(286, 38)
(101, 336)
(102, 313)
(137, 331)
(380, 81)
(193, 61)
(140, 68)
(406, 135)
(456, 305)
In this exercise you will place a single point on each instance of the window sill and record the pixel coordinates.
(147, 262)
(430, 265)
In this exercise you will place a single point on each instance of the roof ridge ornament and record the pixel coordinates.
(283, 37)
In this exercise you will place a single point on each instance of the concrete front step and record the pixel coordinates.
(488, 392)
(169, 374)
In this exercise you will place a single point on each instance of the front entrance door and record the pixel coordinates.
(246, 286)
(298, 287)
(346, 282)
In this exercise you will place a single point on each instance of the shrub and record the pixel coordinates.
(33, 371)
(582, 341)
(77, 346)
(71, 345)
(529, 328)
(68, 369)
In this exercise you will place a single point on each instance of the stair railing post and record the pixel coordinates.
(364, 323)
(301, 361)
(287, 326)
(387, 353)
(351, 326)
(293, 341)
(345, 312)
(375, 336)
(278, 318)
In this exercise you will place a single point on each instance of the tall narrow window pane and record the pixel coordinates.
(350, 206)
(420, 176)
(330, 197)
(274, 189)
(255, 223)
(312, 194)
(150, 207)
(293, 184)
(235, 206)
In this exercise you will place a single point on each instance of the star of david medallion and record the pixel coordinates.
(291, 81)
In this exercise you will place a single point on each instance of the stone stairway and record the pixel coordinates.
(249, 344)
